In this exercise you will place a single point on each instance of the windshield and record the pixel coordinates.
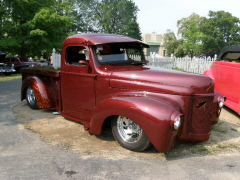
(120, 53)
(231, 57)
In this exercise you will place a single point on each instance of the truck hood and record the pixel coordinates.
(162, 80)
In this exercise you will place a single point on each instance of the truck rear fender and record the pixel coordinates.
(41, 89)
(153, 116)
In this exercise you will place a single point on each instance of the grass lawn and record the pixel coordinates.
(8, 78)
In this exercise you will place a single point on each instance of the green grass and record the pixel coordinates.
(179, 69)
(8, 78)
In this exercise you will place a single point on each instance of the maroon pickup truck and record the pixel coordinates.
(104, 79)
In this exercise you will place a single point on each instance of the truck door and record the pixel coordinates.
(77, 83)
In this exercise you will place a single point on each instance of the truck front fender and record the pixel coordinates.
(153, 116)
(41, 89)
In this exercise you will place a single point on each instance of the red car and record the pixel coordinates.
(225, 71)
(20, 62)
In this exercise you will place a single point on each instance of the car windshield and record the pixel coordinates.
(120, 53)
(231, 57)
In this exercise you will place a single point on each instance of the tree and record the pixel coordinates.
(16, 27)
(173, 45)
(34, 27)
(49, 29)
(112, 16)
(30, 26)
(220, 29)
(191, 34)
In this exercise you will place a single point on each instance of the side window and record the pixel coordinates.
(75, 54)
(15, 60)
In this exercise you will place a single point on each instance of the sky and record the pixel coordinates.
(160, 15)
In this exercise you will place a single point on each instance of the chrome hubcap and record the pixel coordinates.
(30, 96)
(128, 130)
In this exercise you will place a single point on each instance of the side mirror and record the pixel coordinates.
(83, 62)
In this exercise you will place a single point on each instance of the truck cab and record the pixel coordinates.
(104, 78)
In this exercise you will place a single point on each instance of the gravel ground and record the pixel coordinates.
(67, 134)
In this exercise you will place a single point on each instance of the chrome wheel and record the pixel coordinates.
(31, 98)
(128, 130)
(129, 134)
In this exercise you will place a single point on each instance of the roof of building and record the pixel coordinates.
(153, 44)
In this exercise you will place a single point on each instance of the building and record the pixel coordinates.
(155, 41)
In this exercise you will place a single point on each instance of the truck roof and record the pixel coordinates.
(100, 38)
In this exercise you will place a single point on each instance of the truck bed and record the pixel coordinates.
(51, 76)
(42, 70)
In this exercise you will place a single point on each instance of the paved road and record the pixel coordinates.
(24, 156)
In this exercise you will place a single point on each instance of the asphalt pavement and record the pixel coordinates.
(23, 156)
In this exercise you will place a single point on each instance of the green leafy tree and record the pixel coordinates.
(30, 27)
(49, 29)
(173, 45)
(191, 34)
(112, 16)
(34, 27)
(73, 10)
(220, 29)
(16, 26)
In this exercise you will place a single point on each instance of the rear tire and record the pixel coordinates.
(31, 99)
(129, 134)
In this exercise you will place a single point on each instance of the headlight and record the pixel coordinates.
(221, 102)
(177, 123)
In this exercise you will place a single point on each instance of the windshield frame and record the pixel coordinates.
(126, 47)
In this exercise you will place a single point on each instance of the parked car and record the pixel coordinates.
(43, 62)
(20, 62)
(6, 69)
(225, 71)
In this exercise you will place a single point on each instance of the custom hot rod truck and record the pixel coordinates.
(104, 79)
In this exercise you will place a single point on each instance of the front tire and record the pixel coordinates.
(31, 98)
(129, 134)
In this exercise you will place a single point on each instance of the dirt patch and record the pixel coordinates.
(70, 135)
